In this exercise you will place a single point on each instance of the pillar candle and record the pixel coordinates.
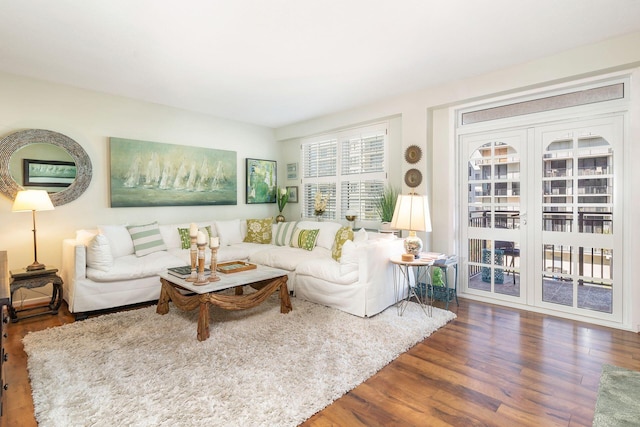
(215, 242)
(193, 230)
(202, 239)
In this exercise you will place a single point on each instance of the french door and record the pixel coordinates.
(542, 216)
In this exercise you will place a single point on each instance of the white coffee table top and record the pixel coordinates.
(228, 280)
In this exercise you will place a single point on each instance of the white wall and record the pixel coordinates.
(90, 118)
(426, 122)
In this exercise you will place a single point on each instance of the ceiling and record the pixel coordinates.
(277, 62)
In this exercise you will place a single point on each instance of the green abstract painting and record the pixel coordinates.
(261, 181)
(145, 173)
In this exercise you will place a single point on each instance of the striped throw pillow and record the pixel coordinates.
(146, 238)
(284, 231)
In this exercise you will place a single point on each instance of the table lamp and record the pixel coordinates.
(412, 213)
(33, 200)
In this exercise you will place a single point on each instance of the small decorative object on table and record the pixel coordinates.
(351, 217)
(201, 243)
(235, 266)
(193, 234)
(283, 198)
(214, 244)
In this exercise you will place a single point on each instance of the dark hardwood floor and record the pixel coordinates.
(492, 366)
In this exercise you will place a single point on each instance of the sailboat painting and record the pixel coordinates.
(145, 173)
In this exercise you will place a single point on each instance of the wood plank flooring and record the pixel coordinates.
(492, 366)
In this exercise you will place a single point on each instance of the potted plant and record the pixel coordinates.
(386, 204)
(283, 197)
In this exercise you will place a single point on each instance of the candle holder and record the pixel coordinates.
(202, 280)
(214, 264)
(194, 257)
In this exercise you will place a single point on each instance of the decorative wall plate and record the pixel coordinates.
(413, 178)
(413, 154)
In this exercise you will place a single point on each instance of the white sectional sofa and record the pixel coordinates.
(101, 269)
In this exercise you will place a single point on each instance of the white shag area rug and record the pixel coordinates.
(258, 368)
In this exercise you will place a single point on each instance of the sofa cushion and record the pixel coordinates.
(327, 269)
(304, 239)
(119, 239)
(99, 254)
(185, 238)
(130, 267)
(146, 238)
(283, 233)
(342, 235)
(229, 232)
(327, 233)
(286, 257)
(259, 230)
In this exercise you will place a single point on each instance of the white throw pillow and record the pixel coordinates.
(229, 232)
(360, 235)
(84, 236)
(99, 254)
(119, 239)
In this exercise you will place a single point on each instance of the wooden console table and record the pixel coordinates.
(36, 279)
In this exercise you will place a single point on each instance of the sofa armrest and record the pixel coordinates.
(376, 273)
(74, 261)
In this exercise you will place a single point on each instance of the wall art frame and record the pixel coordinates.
(292, 171)
(292, 191)
(47, 173)
(146, 173)
(261, 181)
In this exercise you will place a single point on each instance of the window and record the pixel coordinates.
(350, 167)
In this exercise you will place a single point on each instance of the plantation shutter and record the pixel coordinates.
(319, 168)
(349, 167)
(363, 174)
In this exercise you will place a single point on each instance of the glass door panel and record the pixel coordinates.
(494, 215)
(577, 216)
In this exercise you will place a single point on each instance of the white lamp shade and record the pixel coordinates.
(411, 213)
(32, 200)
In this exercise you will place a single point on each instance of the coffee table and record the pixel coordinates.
(265, 279)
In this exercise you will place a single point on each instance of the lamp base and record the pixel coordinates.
(413, 244)
(35, 266)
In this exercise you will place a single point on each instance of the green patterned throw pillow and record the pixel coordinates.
(304, 239)
(342, 235)
(185, 239)
(146, 238)
(259, 230)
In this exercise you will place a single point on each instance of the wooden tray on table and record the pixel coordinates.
(234, 267)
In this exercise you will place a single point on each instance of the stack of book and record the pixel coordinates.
(184, 272)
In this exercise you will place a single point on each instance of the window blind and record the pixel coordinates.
(350, 167)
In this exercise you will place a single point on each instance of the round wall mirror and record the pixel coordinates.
(43, 159)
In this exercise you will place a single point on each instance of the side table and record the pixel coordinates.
(407, 278)
(443, 291)
(36, 279)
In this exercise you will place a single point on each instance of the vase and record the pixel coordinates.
(280, 218)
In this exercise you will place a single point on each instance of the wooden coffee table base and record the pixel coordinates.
(169, 292)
